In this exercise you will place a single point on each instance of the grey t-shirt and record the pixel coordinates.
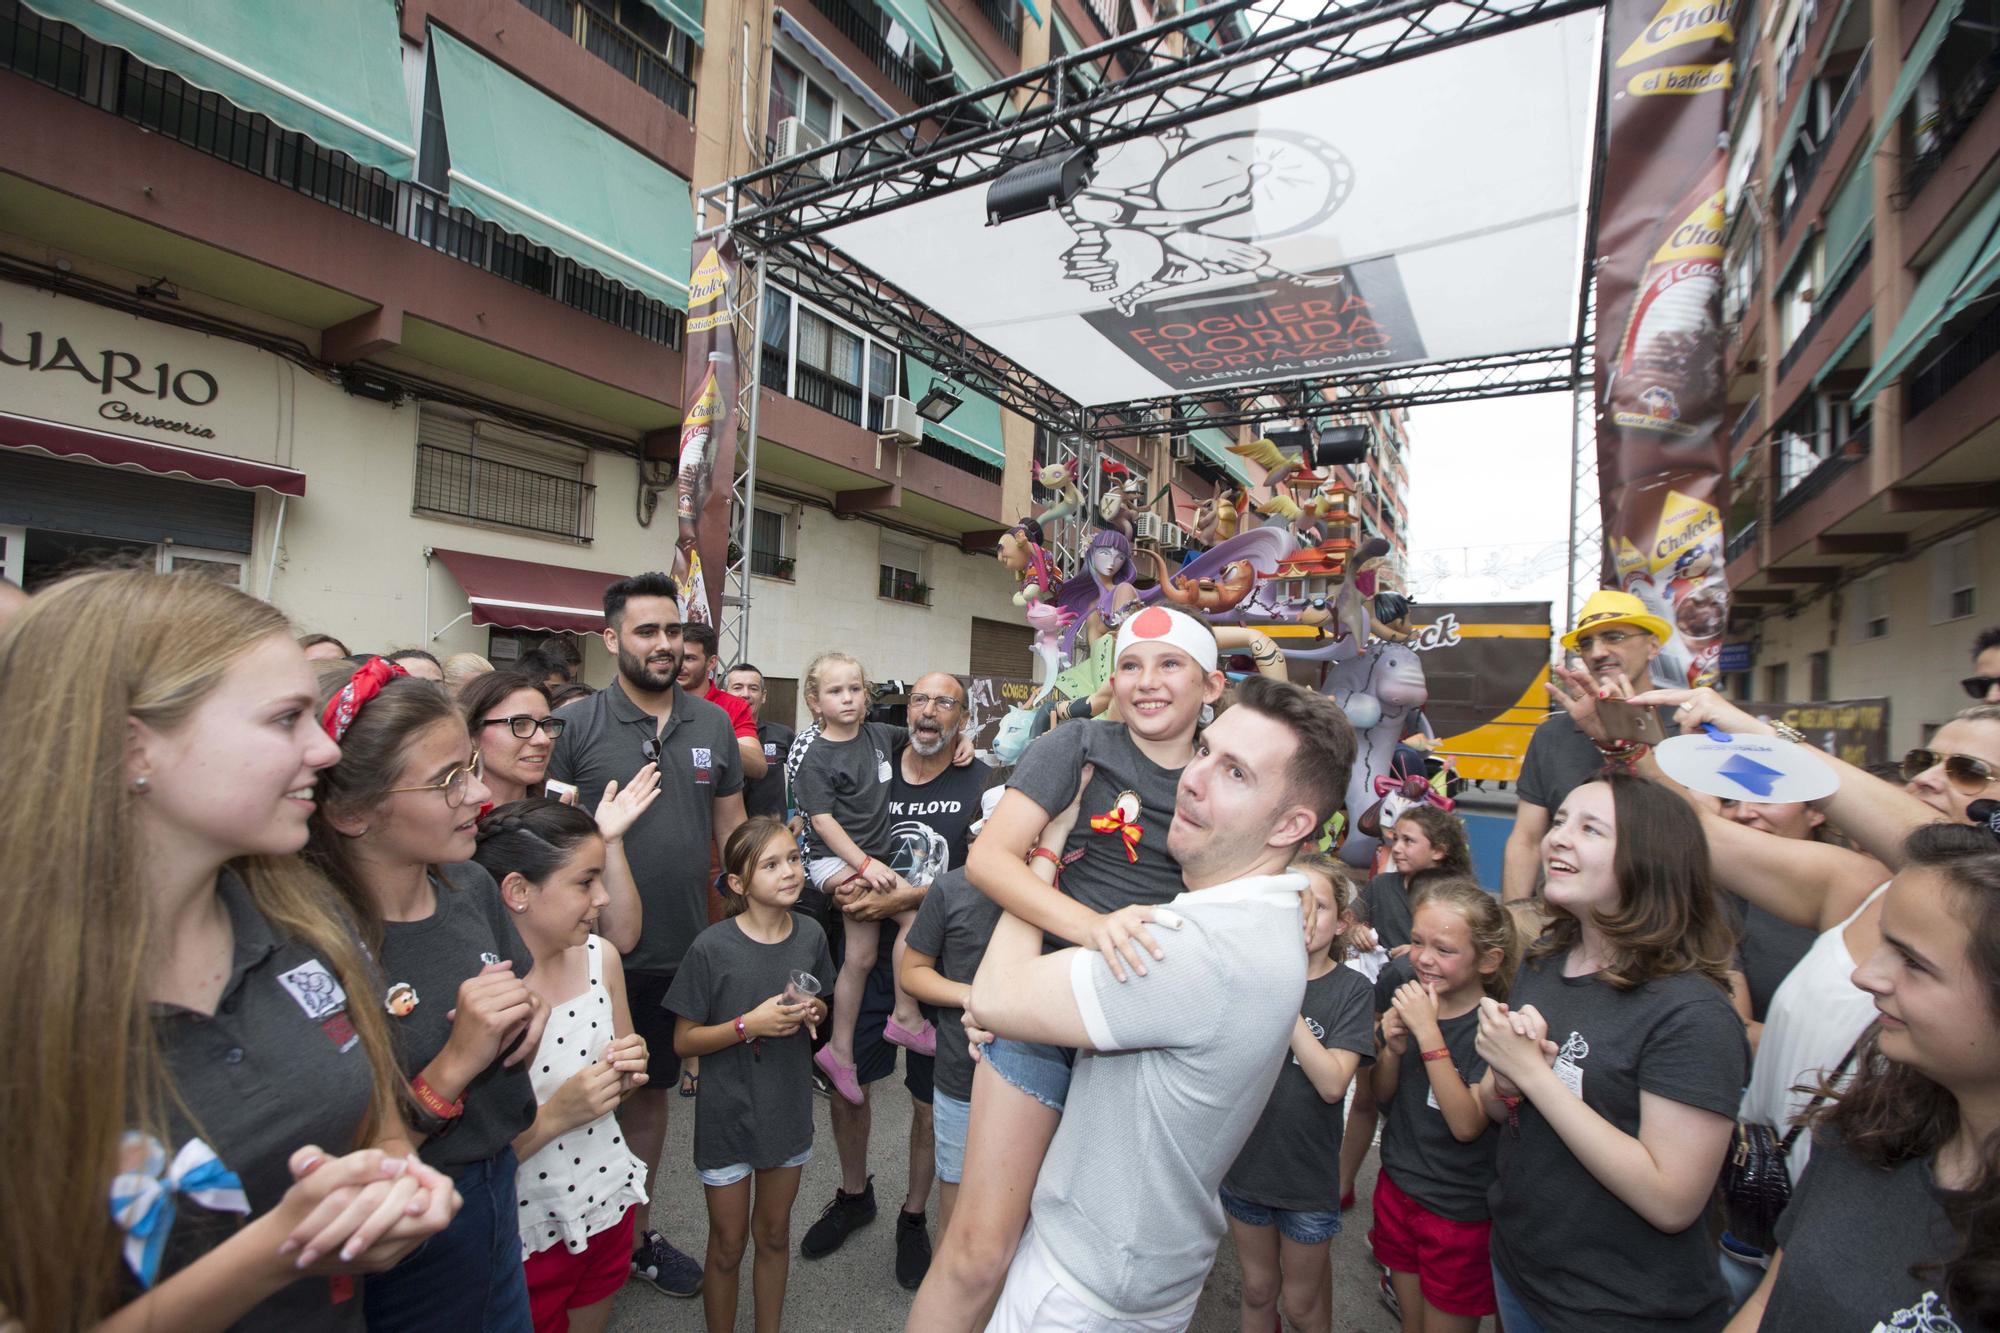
(1388, 904)
(669, 846)
(276, 1066)
(469, 929)
(850, 781)
(953, 924)
(1578, 1257)
(755, 1104)
(1851, 1236)
(1292, 1159)
(1419, 1151)
(1182, 1063)
(1114, 871)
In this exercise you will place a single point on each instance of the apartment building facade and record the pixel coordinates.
(1861, 276)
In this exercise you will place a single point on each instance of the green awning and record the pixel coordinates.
(1214, 445)
(914, 17)
(332, 70)
(973, 428)
(687, 15)
(1849, 220)
(1914, 65)
(525, 162)
(1946, 288)
(1794, 126)
(969, 70)
(1847, 345)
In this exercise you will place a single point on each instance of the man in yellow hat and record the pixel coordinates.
(1617, 638)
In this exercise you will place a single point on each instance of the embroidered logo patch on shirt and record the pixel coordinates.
(704, 762)
(1566, 1067)
(315, 989)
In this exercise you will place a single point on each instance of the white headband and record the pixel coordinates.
(1162, 624)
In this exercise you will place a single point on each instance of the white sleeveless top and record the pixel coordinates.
(584, 1181)
(1814, 1018)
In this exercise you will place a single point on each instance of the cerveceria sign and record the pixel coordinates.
(127, 387)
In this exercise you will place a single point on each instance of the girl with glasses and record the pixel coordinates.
(395, 831)
(508, 714)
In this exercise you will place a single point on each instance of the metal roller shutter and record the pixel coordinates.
(39, 492)
(1002, 649)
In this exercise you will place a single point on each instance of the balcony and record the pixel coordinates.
(1957, 109)
(60, 57)
(1953, 363)
(459, 485)
(1740, 544)
(1854, 91)
(1829, 470)
(859, 28)
(816, 388)
(623, 51)
(1822, 308)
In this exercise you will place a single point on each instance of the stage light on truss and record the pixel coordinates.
(939, 401)
(1332, 446)
(1043, 183)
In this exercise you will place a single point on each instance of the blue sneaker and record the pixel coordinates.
(665, 1267)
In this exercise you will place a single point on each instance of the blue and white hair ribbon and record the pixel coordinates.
(142, 1198)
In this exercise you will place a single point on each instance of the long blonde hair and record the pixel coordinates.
(81, 660)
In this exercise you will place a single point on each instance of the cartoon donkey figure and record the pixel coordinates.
(1382, 691)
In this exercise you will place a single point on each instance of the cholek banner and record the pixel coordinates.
(708, 428)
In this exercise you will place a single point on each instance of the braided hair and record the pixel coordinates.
(532, 838)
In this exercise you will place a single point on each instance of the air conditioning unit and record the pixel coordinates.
(1173, 538)
(900, 420)
(1181, 448)
(1149, 528)
(796, 137)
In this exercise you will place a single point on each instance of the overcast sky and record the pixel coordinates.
(1489, 501)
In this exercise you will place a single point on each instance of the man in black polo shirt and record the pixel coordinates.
(932, 805)
(1617, 638)
(646, 717)
(765, 795)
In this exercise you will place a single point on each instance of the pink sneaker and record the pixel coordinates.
(923, 1041)
(840, 1075)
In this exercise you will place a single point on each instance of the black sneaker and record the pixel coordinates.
(913, 1250)
(669, 1270)
(847, 1212)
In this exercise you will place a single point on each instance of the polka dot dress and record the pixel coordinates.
(584, 1181)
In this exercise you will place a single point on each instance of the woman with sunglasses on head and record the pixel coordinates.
(1897, 1225)
(194, 1068)
(395, 832)
(507, 713)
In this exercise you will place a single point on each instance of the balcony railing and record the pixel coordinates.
(1958, 359)
(621, 50)
(816, 388)
(1822, 308)
(1850, 95)
(1745, 419)
(1829, 469)
(900, 585)
(1957, 109)
(1740, 543)
(1005, 16)
(60, 57)
(464, 486)
(859, 28)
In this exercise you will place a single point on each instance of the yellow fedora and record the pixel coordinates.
(1607, 607)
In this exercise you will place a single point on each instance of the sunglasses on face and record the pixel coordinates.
(1979, 686)
(454, 784)
(1962, 771)
(524, 725)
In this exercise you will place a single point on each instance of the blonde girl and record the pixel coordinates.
(162, 930)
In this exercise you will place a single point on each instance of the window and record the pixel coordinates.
(1777, 683)
(222, 566)
(902, 566)
(1955, 579)
(770, 543)
(882, 381)
(775, 331)
(810, 356)
(434, 153)
(476, 469)
(1820, 665)
(1868, 600)
(795, 95)
(1797, 294)
(828, 371)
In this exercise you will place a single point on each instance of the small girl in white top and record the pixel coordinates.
(578, 1181)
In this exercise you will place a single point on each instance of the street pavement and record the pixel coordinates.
(854, 1290)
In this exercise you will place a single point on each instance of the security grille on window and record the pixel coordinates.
(476, 469)
(902, 565)
(1955, 579)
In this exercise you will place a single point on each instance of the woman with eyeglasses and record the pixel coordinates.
(507, 713)
(395, 831)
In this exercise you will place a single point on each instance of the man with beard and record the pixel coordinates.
(647, 718)
(932, 804)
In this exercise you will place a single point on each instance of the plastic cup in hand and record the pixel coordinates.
(803, 986)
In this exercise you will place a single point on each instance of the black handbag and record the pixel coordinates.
(1756, 1185)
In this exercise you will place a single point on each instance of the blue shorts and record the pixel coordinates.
(949, 1117)
(1036, 1068)
(1313, 1228)
(724, 1176)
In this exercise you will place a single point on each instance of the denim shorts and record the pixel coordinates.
(949, 1117)
(729, 1175)
(1313, 1228)
(1036, 1068)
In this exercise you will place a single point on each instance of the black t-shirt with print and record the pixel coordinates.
(766, 795)
(1419, 1151)
(929, 823)
(1581, 1260)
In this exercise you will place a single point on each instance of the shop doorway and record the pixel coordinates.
(36, 557)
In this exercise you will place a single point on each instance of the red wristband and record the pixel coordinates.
(1044, 854)
(431, 1100)
(1441, 1053)
(742, 1034)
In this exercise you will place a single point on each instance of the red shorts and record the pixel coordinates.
(1452, 1262)
(559, 1281)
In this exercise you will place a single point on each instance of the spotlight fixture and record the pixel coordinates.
(1041, 183)
(1333, 446)
(939, 401)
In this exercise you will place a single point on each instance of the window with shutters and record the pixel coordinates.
(771, 543)
(1955, 579)
(486, 472)
(1002, 648)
